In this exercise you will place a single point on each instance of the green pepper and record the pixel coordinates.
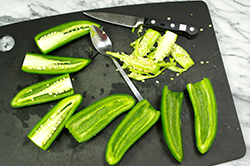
(60, 35)
(205, 111)
(148, 59)
(164, 46)
(48, 64)
(137, 122)
(91, 120)
(50, 126)
(181, 56)
(144, 45)
(44, 91)
(171, 103)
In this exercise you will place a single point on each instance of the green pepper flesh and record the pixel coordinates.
(60, 35)
(91, 120)
(49, 64)
(181, 56)
(205, 111)
(49, 90)
(50, 126)
(136, 123)
(171, 105)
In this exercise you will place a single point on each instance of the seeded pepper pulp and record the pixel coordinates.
(171, 104)
(136, 123)
(205, 111)
(60, 35)
(50, 64)
(49, 90)
(50, 126)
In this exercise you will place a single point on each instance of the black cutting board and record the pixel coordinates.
(99, 79)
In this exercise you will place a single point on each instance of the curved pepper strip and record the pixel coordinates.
(136, 123)
(205, 111)
(181, 56)
(171, 104)
(50, 126)
(49, 64)
(91, 120)
(49, 90)
(144, 45)
(60, 35)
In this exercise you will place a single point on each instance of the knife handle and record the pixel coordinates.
(180, 28)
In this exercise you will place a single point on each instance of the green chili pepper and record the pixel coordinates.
(171, 103)
(50, 126)
(205, 111)
(45, 91)
(47, 64)
(91, 120)
(137, 122)
(60, 35)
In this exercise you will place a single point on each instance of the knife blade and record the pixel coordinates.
(134, 21)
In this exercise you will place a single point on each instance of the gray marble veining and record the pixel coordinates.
(231, 21)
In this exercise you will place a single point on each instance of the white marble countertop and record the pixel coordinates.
(231, 20)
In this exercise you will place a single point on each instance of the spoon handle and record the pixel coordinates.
(128, 81)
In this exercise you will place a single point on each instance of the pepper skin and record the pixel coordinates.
(49, 90)
(137, 122)
(60, 35)
(171, 104)
(205, 111)
(91, 120)
(145, 44)
(49, 64)
(164, 46)
(50, 126)
(181, 56)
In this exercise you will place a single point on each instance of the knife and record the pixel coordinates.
(134, 21)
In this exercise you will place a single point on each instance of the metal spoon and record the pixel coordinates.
(102, 43)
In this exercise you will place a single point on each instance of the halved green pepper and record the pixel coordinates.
(205, 111)
(60, 35)
(49, 64)
(50, 126)
(171, 104)
(91, 120)
(136, 123)
(44, 91)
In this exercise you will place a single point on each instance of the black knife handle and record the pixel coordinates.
(179, 28)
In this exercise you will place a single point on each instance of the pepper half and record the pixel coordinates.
(49, 64)
(60, 35)
(49, 90)
(136, 123)
(50, 126)
(91, 120)
(171, 104)
(205, 111)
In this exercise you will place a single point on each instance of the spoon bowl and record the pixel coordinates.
(102, 44)
(100, 40)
